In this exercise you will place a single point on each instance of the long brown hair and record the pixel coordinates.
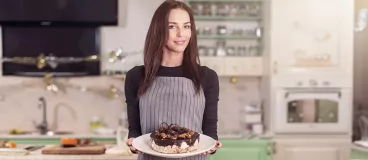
(156, 40)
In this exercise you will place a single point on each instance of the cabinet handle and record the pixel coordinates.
(319, 91)
(271, 149)
(275, 67)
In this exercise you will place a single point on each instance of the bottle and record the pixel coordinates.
(95, 123)
(122, 132)
(221, 51)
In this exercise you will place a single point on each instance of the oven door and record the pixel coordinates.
(313, 111)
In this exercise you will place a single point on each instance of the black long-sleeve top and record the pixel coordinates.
(210, 85)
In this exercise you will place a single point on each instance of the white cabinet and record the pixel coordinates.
(215, 63)
(312, 149)
(234, 66)
(251, 66)
(312, 37)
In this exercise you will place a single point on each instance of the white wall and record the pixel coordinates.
(132, 36)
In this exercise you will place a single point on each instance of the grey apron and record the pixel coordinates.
(172, 100)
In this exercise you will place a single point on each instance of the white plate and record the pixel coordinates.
(142, 143)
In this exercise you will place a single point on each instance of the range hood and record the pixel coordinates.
(59, 12)
(62, 51)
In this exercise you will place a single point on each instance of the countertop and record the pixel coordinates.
(25, 136)
(359, 148)
(110, 155)
(69, 157)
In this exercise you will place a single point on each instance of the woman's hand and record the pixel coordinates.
(132, 149)
(217, 146)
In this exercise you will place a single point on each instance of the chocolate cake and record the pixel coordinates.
(174, 139)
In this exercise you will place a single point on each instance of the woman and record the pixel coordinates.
(172, 87)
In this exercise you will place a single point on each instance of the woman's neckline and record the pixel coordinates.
(171, 67)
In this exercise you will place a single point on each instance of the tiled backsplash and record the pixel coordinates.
(233, 98)
(19, 102)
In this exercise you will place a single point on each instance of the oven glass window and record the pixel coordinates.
(312, 111)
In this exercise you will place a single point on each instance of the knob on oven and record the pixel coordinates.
(326, 83)
(313, 82)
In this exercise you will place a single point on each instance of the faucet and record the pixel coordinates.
(43, 127)
(54, 124)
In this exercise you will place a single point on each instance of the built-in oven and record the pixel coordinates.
(313, 110)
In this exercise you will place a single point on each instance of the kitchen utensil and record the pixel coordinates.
(33, 148)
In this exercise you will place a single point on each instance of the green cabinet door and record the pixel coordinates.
(235, 149)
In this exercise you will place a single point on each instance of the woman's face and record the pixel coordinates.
(179, 30)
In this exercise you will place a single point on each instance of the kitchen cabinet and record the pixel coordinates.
(358, 152)
(234, 66)
(237, 149)
(317, 38)
(215, 63)
(250, 66)
(312, 148)
(221, 24)
(230, 35)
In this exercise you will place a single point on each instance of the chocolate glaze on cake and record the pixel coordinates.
(174, 135)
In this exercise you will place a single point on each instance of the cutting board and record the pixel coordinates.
(79, 150)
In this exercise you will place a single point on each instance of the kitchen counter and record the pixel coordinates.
(110, 155)
(69, 157)
(26, 136)
(358, 152)
(55, 139)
